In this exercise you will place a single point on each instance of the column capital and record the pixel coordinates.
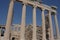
(34, 6)
(49, 12)
(25, 2)
(42, 9)
(55, 13)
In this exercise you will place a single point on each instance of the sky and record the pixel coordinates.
(4, 5)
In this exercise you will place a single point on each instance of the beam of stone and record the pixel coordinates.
(34, 23)
(22, 34)
(43, 26)
(57, 28)
(9, 20)
(51, 27)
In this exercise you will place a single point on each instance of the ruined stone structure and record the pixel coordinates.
(47, 28)
(15, 32)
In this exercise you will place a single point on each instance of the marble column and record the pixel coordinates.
(9, 20)
(22, 34)
(43, 26)
(51, 27)
(57, 28)
(34, 23)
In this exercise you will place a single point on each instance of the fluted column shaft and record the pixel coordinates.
(34, 23)
(51, 27)
(43, 26)
(22, 35)
(57, 29)
(9, 20)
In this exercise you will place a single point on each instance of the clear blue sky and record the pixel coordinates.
(4, 4)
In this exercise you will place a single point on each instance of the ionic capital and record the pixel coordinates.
(55, 13)
(25, 2)
(34, 6)
(42, 9)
